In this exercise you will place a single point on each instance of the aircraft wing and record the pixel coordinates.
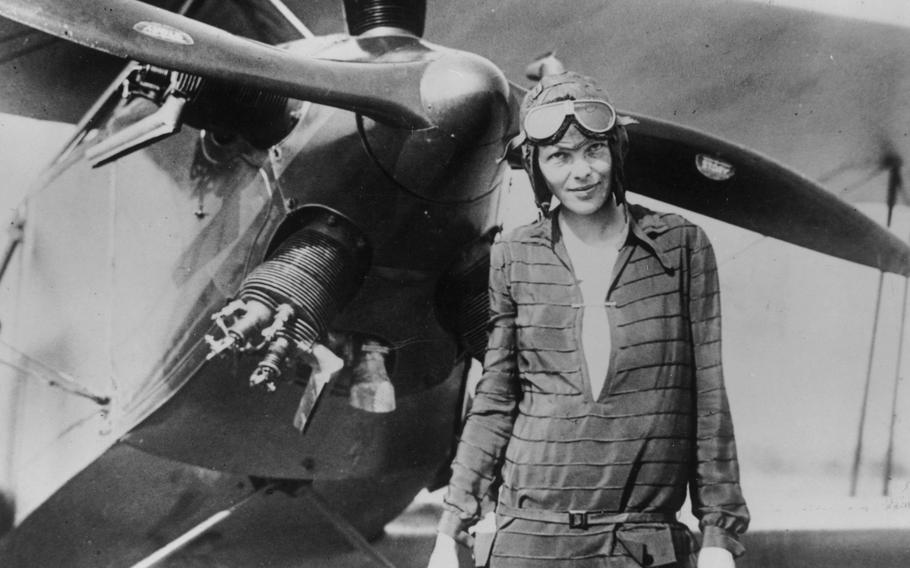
(51, 79)
(48, 78)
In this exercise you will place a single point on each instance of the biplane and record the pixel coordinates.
(258, 264)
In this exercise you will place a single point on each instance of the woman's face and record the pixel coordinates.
(577, 170)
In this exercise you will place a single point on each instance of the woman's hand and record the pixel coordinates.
(715, 557)
(445, 553)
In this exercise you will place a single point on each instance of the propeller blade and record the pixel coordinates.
(676, 165)
(388, 92)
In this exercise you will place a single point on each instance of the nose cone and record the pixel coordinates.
(467, 98)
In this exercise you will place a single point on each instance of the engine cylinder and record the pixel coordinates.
(463, 299)
(474, 314)
(261, 117)
(316, 270)
(365, 15)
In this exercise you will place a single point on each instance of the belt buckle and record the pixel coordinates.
(578, 520)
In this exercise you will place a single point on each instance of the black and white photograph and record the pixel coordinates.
(429, 284)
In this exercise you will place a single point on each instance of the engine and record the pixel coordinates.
(285, 305)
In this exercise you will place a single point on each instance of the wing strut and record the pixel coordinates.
(858, 451)
(895, 186)
(343, 526)
(291, 18)
(895, 388)
(304, 491)
(170, 548)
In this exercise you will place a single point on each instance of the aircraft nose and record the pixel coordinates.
(467, 97)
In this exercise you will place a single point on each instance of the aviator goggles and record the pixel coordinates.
(548, 123)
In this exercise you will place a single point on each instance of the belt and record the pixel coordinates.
(584, 519)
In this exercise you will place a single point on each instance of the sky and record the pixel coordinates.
(883, 11)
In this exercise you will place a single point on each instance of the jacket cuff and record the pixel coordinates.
(718, 537)
(452, 525)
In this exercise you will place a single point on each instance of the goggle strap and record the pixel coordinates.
(514, 143)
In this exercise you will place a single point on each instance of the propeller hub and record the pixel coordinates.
(365, 15)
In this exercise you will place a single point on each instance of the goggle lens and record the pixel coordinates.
(596, 116)
(546, 121)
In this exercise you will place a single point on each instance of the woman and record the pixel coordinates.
(602, 400)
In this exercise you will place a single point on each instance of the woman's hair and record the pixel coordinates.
(560, 87)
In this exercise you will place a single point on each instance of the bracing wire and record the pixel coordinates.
(33, 368)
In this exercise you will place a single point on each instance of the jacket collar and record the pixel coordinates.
(644, 226)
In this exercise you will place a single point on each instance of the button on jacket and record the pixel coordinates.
(661, 424)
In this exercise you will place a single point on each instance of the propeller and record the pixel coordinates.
(736, 185)
(388, 92)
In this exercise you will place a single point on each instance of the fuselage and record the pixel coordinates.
(130, 260)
